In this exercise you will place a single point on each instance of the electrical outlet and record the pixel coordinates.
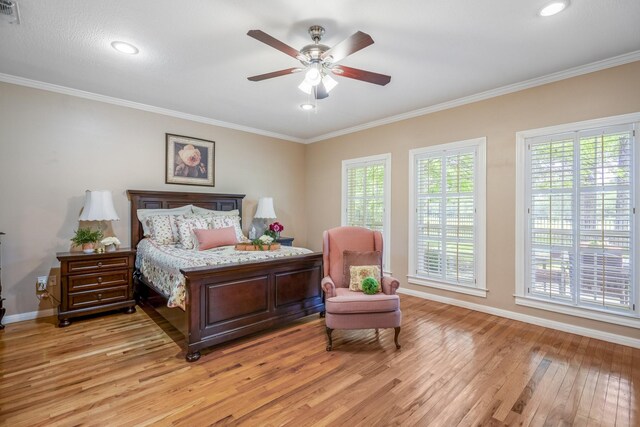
(41, 284)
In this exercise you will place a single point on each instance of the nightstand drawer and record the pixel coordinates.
(82, 266)
(107, 279)
(99, 297)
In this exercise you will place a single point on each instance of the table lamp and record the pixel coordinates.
(98, 206)
(264, 212)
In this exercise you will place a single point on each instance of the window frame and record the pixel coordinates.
(631, 319)
(480, 182)
(384, 159)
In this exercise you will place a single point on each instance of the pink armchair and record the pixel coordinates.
(346, 309)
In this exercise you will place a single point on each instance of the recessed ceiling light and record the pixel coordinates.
(123, 47)
(553, 8)
(307, 107)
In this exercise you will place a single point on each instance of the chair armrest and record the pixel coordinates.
(389, 285)
(328, 287)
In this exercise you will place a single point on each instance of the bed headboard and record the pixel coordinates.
(170, 199)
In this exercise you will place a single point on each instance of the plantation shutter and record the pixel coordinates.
(365, 195)
(581, 216)
(446, 215)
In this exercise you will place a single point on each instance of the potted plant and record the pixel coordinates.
(86, 239)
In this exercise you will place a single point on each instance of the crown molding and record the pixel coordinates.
(504, 90)
(21, 81)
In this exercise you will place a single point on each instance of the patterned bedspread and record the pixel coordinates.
(161, 264)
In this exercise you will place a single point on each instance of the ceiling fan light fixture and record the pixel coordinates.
(313, 75)
(553, 8)
(306, 87)
(329, 82)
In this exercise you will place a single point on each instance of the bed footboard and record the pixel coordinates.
(228, 302)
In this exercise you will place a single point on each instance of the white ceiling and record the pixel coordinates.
(195, 56)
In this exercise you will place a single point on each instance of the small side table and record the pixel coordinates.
(95, 283)
(285, 241)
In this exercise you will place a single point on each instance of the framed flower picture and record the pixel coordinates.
(190, 161)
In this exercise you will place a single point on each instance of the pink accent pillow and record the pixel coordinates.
(213, 238)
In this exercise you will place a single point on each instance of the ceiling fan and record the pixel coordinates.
(319, 61)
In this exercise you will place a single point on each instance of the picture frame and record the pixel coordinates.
(189, 161)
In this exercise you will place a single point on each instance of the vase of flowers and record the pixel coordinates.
(110, 243)
(275, 228)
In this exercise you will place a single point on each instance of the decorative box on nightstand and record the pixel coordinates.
(95, 283)
(285, 241)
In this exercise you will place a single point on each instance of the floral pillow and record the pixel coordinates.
(162, 229)
(361, 272)
(228, 221)
(186, 225)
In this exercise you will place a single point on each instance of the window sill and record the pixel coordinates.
(476, 292)
(631, 320)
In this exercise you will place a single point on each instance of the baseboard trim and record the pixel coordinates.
(21, 317)
(578, 330)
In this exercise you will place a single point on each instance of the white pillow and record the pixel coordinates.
(143, 214)
(202, 211)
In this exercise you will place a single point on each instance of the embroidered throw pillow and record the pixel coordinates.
(144, 214)
(350, 258)
(162, 229)
(224, 221)
(186, 225)
(361, 272)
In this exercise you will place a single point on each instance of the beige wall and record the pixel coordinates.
(604, 93)
(53, 147)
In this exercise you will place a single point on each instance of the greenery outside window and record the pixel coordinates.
(577, 226)
(366, 192)
(447, 226)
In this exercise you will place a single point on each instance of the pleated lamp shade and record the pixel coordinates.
(265, 208)
(98, 206)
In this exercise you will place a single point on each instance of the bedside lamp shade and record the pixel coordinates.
(265, 208)
(98, 206)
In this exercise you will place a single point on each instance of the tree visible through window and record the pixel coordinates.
(365, 195)
(446, 238)
(580, 218)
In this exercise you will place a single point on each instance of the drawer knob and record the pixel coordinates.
(100, 264)
(99, 297)
(99, 279)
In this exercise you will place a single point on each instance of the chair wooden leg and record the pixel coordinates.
(330, 344)
(395, 338)
(322, 314)
(377, 332)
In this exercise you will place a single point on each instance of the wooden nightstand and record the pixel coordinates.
(285, 241)
(94, 283)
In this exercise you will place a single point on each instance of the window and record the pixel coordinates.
(446, 216)
(577, 219)
(366, 192)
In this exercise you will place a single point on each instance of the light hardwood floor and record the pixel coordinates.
(456, 367)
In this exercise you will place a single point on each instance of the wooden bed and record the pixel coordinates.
(229, 301)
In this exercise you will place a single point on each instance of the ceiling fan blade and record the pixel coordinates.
(348, 46)
(320, 91)
(274, 74)
(365, 76)
(273, 42)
